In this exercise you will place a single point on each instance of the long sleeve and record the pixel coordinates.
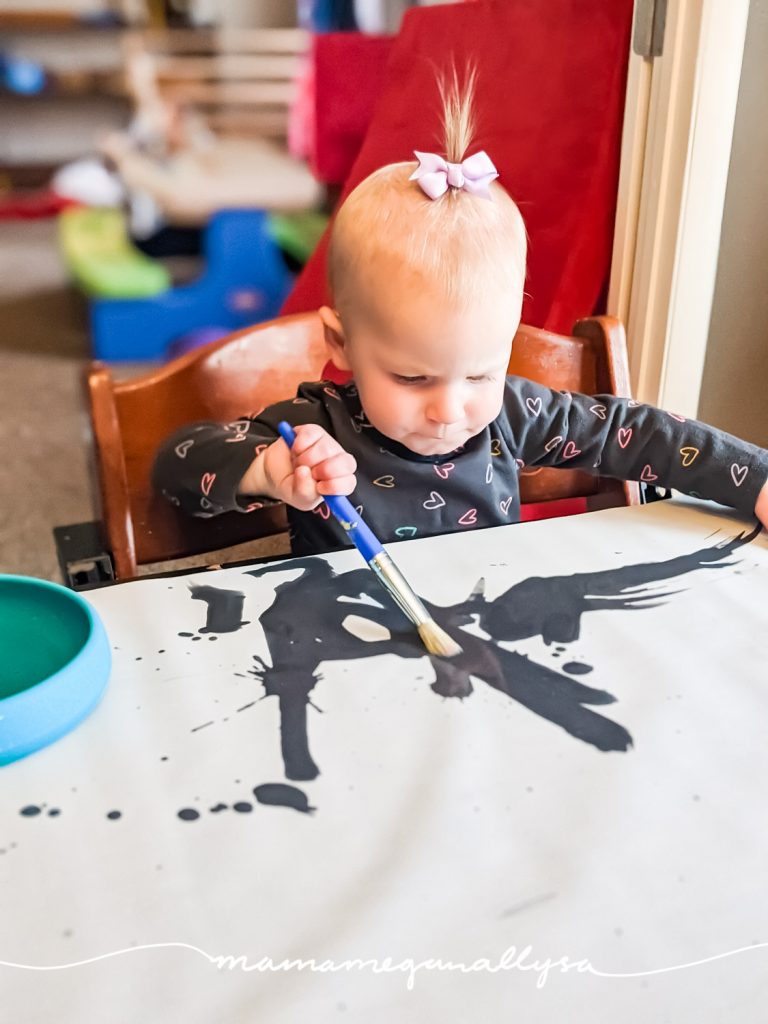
(621, 438)
(199, 467)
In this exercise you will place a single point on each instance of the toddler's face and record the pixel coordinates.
(429, 376)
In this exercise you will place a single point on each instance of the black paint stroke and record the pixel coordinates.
(225, 608)
(309, 607)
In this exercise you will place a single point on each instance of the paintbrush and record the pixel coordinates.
(435, 639)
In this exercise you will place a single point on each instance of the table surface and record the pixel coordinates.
(277, 770)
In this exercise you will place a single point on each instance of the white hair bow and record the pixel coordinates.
(435, 175)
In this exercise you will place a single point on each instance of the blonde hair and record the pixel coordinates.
(462, 244)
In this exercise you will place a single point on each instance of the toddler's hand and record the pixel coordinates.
(761, 508)
(316, 465)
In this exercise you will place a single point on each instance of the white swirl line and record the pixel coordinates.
(677, 967)
(107, 956)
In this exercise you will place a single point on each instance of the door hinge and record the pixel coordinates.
(650, 18)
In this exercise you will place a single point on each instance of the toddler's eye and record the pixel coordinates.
(408, 380)
(479, 379)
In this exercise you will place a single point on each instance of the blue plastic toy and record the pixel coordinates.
(245, 281)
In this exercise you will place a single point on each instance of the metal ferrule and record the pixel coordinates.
(397, 586)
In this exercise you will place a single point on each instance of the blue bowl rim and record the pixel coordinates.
(95, 626)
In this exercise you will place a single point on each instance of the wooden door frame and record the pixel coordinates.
(678, 127)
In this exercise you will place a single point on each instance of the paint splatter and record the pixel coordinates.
(279, 794)
(114, 815)
(188, 814)
(577, 668)
(550, 608)
(30, 811)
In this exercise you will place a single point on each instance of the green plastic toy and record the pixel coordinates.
(298, 233)
(95, 246)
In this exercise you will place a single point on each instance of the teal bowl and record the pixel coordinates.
(54, 663)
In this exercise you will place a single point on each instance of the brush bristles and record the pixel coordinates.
(437, 641)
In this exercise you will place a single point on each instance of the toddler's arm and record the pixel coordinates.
(632, 441)
(209, 468)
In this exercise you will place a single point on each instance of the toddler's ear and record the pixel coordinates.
(334, 338)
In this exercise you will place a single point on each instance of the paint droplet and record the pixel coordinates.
(114, 815)
(186, 634)
(164, 757)
(54, 812)
(139, 658)
(576, 668)
(188, 814)
(213, 638)
(30, 811)
(161, 651)
(281, 795)
(242, 807)
(218, 807)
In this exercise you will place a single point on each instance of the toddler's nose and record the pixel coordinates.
(445, 407)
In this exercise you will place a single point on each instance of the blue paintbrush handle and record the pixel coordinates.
(359, 532)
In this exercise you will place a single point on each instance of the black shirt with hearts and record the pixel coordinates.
(405, 495)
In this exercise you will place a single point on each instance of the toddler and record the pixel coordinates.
(427, 267)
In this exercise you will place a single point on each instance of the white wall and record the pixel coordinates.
(734, 394)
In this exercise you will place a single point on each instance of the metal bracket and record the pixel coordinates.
(83, 558)
(650, 19)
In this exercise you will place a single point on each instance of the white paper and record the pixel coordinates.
(443, 828)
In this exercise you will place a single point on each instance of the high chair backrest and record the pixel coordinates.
(244, 372)
(592, 360)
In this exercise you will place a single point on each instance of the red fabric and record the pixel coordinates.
(552, 509)
(348, 80)
(550, 99)
(33, 205)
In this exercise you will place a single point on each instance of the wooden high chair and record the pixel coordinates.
(248, 370)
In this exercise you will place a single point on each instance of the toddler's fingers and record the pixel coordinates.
(341, 464)
(324, 447)
(305, 490)
(308, 434)
(339, 485)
